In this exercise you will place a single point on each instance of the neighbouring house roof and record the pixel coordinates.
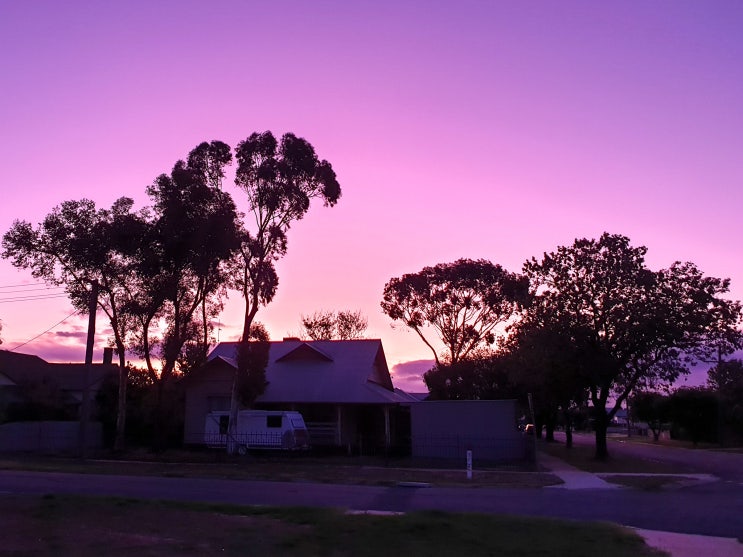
(321, 371)
(414, 397)
(18, 369)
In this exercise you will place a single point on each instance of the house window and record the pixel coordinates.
(273, 421)
(224, 424)
(218, 403)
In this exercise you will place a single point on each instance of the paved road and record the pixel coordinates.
(727, 466)
(709, 511)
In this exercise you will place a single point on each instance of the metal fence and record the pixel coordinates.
(48, 437)
(323, 433)
(271, 440)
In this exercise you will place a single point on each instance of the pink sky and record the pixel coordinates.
(494, 130)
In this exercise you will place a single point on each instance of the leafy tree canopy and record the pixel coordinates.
(642, 328)
(334, 325)
(252, 362)
(483, 375)
(652, 408)
(461, 302)
(77, 245)
(280, 178)
(726, 378)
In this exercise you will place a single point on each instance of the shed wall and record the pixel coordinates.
(447, 429)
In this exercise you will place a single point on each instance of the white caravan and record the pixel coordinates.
(258, 429)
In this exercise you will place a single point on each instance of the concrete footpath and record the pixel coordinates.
(572, 477)
(676, 545)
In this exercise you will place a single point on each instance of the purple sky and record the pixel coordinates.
(494, 130)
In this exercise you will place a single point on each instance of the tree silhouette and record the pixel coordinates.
(726, 378)
(461, 302)
(549, 361)
(483, 375)
(280, 179)
(642, 328)
(330, 325)
(154, 268)
(653, 409)
(76, 245)
(194, 231)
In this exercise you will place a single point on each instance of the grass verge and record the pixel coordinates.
(266, 468)
(87, 526)
(582, 457)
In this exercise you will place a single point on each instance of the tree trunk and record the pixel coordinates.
(549, 431)
(120, 439)
(568, 431)
(250, 312)
(601, 424)
(232, 423)
(161, 418)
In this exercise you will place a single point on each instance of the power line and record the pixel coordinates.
(43, 288)
(19, 285)
(30, 298)
(45, 332)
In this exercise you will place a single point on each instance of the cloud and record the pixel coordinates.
(408, 376)
(413, 368)
(71, 334)
(60, 348)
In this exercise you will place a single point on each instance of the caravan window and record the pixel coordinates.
(273, 421)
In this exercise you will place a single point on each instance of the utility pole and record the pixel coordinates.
(85, 408)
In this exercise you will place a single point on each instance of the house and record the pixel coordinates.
(51, 388)
(342, 388)
(40, 402)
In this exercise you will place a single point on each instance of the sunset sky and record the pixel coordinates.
(478, 129)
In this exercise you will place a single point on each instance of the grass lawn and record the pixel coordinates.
(86, 526)
(298, 469)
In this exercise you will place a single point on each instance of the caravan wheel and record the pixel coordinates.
(242, 450)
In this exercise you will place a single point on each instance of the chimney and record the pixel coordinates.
(108, 356)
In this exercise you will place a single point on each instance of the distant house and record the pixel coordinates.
(342, 388)
(28, 381)
(40, 402)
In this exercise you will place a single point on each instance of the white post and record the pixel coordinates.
(469, 465)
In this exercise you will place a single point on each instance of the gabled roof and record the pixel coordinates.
(322, 371)
(305, 353)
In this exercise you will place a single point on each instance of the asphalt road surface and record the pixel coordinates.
(711, 509)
